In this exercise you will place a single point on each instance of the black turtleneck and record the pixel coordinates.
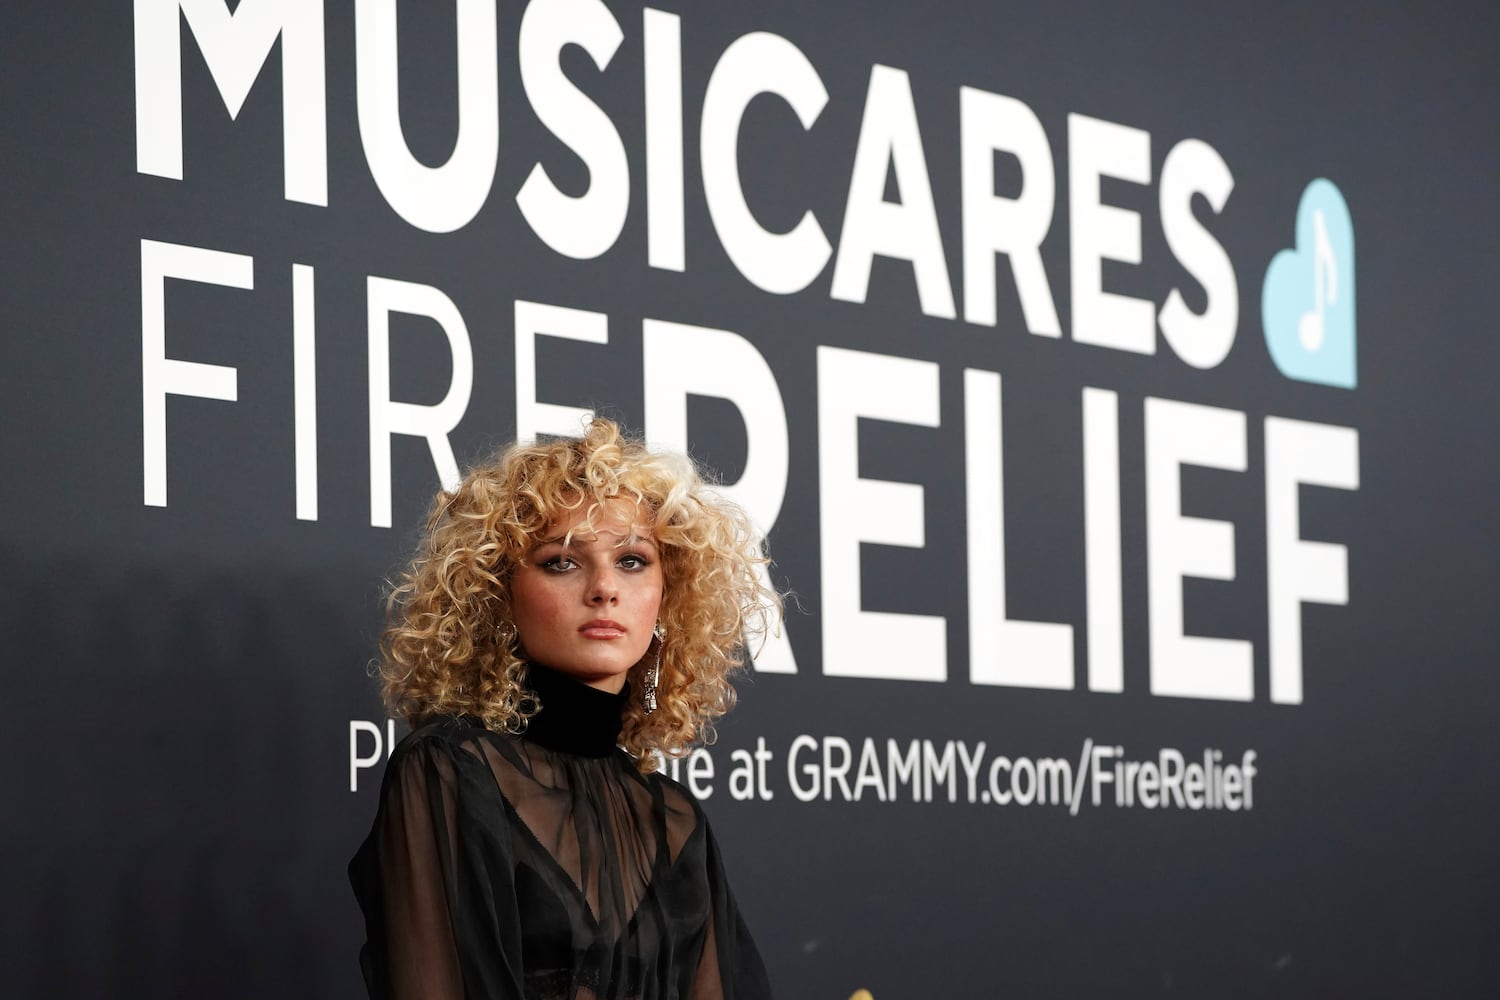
(574, 717)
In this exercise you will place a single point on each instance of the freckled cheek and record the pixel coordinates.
(539, 608)
(548, 616)
(650, 603)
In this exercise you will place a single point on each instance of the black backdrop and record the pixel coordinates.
(186, 683)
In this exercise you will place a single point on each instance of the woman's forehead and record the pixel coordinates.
(616, 520)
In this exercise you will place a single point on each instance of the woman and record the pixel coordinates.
(573, 615)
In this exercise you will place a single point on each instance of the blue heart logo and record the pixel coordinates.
(1307, 302)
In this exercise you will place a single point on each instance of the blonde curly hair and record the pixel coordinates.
(446, 648)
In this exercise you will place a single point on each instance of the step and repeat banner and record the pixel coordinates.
(1113, 386)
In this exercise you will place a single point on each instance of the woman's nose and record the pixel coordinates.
(602, 589)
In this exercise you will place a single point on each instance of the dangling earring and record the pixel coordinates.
(505, 634)
(653, 672)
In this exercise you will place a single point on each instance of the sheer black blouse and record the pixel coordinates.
(544, 867)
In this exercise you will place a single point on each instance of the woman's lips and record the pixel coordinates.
(602, 628)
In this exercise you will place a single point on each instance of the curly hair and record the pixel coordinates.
(446, 650)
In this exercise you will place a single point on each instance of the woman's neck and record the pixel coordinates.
(574, 717)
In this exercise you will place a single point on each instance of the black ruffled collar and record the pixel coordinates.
(574, 717)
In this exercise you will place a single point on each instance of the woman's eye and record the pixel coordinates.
(559, 564)
(633, 562)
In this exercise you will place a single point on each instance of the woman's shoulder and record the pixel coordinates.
(443, 737)
(459, 754)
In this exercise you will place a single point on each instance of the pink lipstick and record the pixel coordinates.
(602, 628)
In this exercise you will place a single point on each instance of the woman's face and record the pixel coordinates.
(587, 608)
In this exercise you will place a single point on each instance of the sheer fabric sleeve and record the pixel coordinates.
(435, 880)
(730, 966)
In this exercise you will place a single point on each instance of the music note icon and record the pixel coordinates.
(1325, 285)
(1309, 331)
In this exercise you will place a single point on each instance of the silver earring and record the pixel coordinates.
(653, 672)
